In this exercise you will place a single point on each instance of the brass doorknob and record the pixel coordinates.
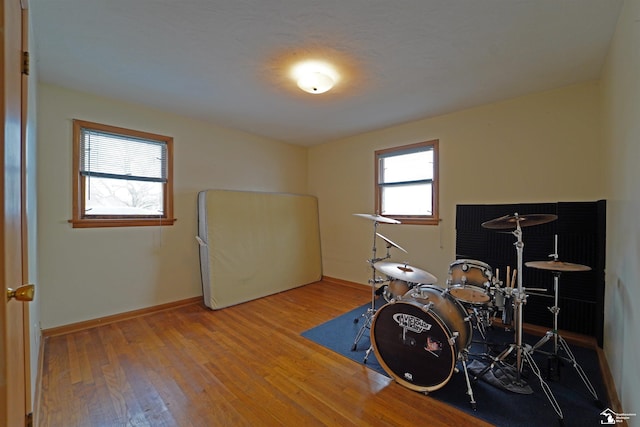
(23, 293)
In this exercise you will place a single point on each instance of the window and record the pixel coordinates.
(407, 183)
(121, 177)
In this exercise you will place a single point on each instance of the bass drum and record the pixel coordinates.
(418, 337)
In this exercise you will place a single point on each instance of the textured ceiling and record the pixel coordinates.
(227, 61)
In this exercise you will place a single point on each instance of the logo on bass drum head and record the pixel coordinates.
(411, 323)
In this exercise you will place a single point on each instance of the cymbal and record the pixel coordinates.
(511, 221)
(390, 243)
(405, 272)
(557, 266)
(379, 218)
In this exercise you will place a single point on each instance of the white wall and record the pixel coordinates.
(543, 147)
(90, 273)
(621, 106)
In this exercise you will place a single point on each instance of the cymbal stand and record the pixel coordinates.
(558, 341)
(522, 354)
(463, 357)
(371, 311)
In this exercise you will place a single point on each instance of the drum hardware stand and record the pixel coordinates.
(478, 319)
(463, 357)
(523, 354)
(371, 311)
(558, 341)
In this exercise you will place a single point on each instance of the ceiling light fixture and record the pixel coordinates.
(314, 76)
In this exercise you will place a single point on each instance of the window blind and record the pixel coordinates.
(108, 155)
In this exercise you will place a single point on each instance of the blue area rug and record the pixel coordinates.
(494, 404)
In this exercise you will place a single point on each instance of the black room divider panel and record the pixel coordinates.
(581, 231)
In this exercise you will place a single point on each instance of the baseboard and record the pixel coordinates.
(610, 385)
(343, 282)
(38, 392)
(87, 324)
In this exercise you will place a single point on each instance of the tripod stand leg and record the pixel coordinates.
(542, 341)
(506, 352)
(469, 389)
(543, 384)
(367, 324)
(366, 355)
(578, 368)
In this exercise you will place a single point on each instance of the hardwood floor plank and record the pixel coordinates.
(85, 357)
(245, 365)
(74, 361)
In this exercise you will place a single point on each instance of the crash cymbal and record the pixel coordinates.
(379, 218)
(405, 272)
(390, 243)
(557, 266)
(511, 221)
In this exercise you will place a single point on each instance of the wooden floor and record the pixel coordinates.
(245, 365)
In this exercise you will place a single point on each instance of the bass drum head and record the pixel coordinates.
(412, 345)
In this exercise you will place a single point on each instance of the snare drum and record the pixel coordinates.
(470, 281)
(417, 339)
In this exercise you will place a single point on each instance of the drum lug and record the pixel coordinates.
(453, 338)
(428, 306)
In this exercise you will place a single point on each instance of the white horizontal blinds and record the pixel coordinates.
(109, 155)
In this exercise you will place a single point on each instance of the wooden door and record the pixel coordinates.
(14, 338)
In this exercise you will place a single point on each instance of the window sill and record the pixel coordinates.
(121, 222)
(415, 221)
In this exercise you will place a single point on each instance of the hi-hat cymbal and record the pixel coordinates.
(512, 221)
(379, 218)
(390, 243)
(405, 272)
(557, 266)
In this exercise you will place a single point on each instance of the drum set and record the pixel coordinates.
(424, 331)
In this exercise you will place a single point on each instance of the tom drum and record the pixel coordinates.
(470, 281)
(396, 289)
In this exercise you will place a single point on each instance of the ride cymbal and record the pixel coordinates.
(378, 218)
(557, 266)
(512, 221)
(405, 272)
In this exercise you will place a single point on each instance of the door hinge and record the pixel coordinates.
(29, 420)
(25, 63)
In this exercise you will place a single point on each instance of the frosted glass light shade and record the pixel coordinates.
(314, 76)
(315, 82)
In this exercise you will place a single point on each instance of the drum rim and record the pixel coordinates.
(397, 377)
(461, 308)
(471, 261)
(471, 287)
